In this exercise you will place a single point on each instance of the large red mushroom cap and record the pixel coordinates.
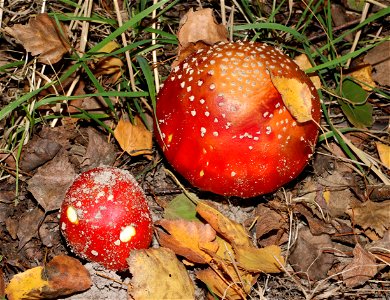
(105, 215)
(224, 126)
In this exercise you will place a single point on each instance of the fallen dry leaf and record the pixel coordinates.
(226, 288)
(232, 231)
(363, 75)
(198, 26)
(361, 269)
(135, 138)
(62, 276)
(28, 225)
(295, 95)
(266, 260)
(186, 238)
(271, 227)
(384, 154)
(50, 183)
(108, 65)
(37, 152)
(2, 284)
(309, 257)
(372, 215)
(379, 59)
(41, 36)
(100, 152)
(157, 274)
(304, 63)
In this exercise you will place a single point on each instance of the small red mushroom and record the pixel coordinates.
(223, 125)
(104, 216)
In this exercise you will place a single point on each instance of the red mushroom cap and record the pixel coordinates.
(105, 215)
(223, 125)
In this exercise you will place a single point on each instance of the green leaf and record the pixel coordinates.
(181, 207)
(357, 110)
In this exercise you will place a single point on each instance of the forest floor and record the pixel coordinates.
(331, 223)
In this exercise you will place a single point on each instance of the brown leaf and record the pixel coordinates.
(232, 231)
(37, 152)
(296, 96)
(199, 26)
(379, 59)
(28, 225)
(2, 284)
(135, 138)
(186, 238)
(66, 275)
(41, 36)
(271, 227)
(108, 65)
(51, 182)
(361, 269)
(157, 274)
(309, 257)
(267, 259)
(62, 276)
(100, 152)
(372, 215)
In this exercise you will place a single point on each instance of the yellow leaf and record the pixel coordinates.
(157, 274)
(26, 284)
(296, 96)
(304, 63)
(232, 231)
(108, 48)
(267, 260)
(135, 138)
(384, 154)
(364, 77)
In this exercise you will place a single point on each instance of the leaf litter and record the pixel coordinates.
(338, 228)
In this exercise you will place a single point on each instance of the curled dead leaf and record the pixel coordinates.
(41, 36)
(384, 154)
(198, 26)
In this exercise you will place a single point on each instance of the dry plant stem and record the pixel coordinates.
(223, 12)
(124, 42)
(377, 3)
(196, 201)
(358, 34)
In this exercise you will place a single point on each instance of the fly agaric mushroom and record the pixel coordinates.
(104, 216)
(224, 126)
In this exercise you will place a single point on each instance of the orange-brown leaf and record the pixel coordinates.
(41, 36)
(232, 231)
(135, 138)
(187, 238)
(384, 154)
